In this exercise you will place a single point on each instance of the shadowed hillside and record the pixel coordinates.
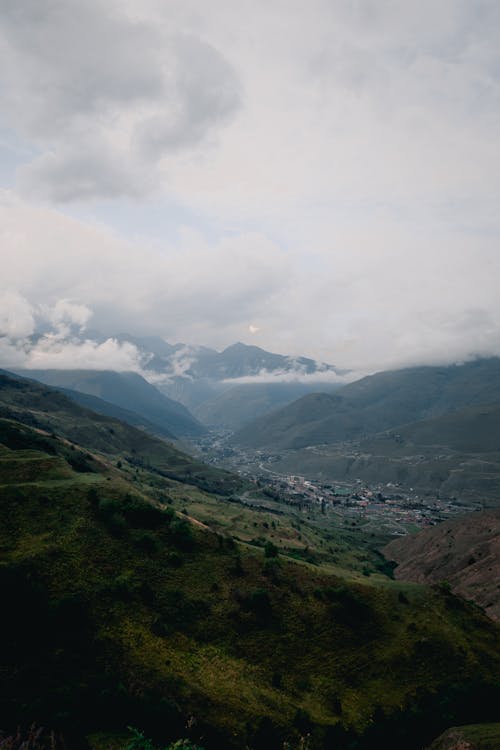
(127, 390)
(121, 611)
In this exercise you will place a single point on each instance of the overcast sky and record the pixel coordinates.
(318, 178)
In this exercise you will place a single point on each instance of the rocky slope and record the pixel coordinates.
(464, 552)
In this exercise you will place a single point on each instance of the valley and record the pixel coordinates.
(192, 573)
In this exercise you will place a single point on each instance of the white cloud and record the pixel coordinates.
(337, 164)
(322, 377)
(16, 315)
(104, 96)
(194, 291)
(58, 347)
(50, 352)
(67, 312)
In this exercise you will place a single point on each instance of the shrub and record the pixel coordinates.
(271, 550)
(181, 534)
(258, 602)
(147, 542)
(133, 512)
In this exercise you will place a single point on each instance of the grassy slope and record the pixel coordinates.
(376, 403)
(46, 408)
(119, 612)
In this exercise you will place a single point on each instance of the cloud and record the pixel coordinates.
(409, 299)
(67, 312)
(60, 345)
(16, 315)
(327, 171)
(322, 377)
(50, 352)
(193, 291)
(104, 95)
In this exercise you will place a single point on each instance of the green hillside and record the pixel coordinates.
(455, 455)
(126, 390)
(241, 404)
(45, 408)
(117, 412)
(120, 610)
(374, 404)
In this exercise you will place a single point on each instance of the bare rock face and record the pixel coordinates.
(465, 552)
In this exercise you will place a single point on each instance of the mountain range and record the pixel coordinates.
(224, 389)
(376, 403)
(431, 430)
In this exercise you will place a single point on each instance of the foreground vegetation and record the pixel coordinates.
(119, 610)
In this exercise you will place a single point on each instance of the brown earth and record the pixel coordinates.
(464, 552)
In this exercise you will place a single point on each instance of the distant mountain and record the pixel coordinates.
(374, 404)
(473, 429)
(111, 410)
(465, 552)
(232, 387)
(456, 455)
(236, 361)
(127, 390)
(241, 404)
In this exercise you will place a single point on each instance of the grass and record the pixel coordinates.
(120, 610)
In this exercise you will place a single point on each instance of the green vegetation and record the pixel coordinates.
(102, 389)
(376, 403)
(120, 610)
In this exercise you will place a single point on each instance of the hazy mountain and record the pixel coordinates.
(474, 429)
(127, 390)
(376, 403)
(232, 387)
(236, 361)
(241, 404)
(108, 409)
(465, 552)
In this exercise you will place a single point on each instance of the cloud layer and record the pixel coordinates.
(318, 179)
(103, 96)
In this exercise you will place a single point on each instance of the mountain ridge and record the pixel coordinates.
(376, 403)
(127, 390)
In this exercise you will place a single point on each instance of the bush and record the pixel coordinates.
(181, 534)
(258, 602)
(133, 512)
(271, 550)
(147, 542)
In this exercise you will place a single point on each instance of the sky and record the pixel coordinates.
(317, 178)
